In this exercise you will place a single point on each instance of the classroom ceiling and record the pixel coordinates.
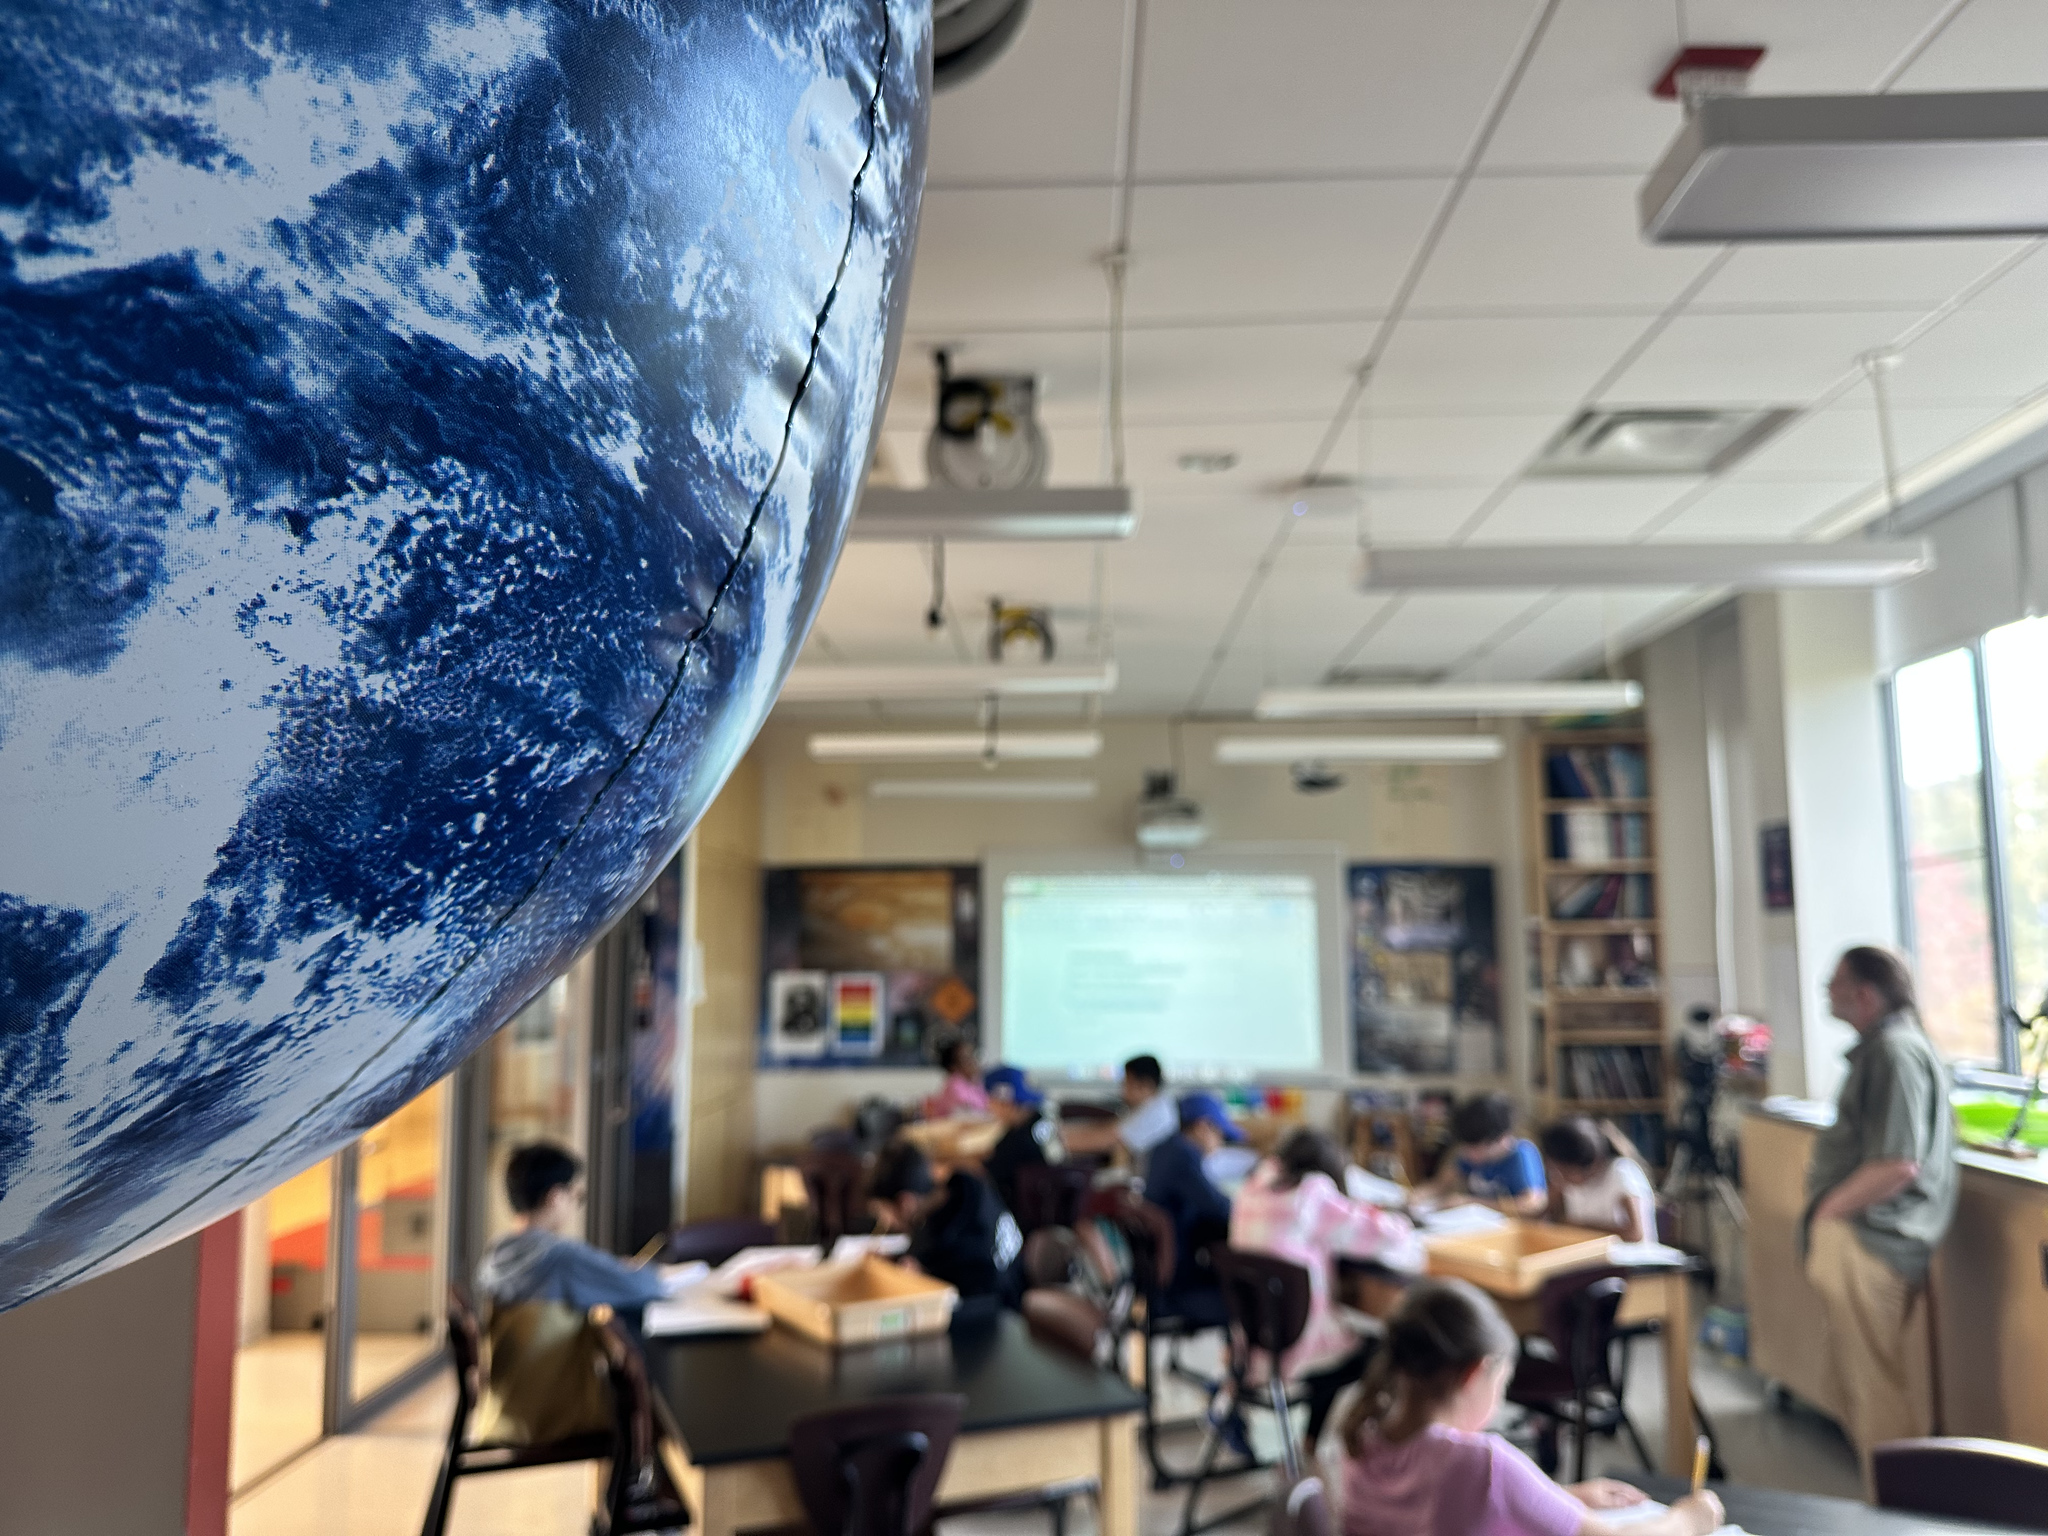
(1445, 190)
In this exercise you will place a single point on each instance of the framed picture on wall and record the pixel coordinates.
(1425, 969)
(895, 951)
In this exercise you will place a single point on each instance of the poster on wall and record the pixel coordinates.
(796, 1015)
(1425, 971)
(894, 953)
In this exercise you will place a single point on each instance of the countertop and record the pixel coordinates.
(1813, 1115)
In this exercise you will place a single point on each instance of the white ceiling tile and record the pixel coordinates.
(1046, 110)
(1586, 100)
(2024, 286)
(1840, 443)
(1992, 45)
(1430, 630)
(1737, 510)
(1502, 364)
(1566, 634)
(1421, 514)
(1478, 446)
(1016, 257)
(1174, 373)
(1846, 272)
(1550, 241)
(1752, 359)
(1569, 511)
(1068, 365)
(1274, 248)
(1975, 355)
(1309, 85)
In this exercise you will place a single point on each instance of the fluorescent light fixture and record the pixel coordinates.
(822, 684)
(1600, 697)
(988, 787)
(952, 746)
(1070, 512)
(1244, 751)
(1748, 168)
(1480, 567)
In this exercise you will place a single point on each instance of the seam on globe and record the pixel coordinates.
(654, 720)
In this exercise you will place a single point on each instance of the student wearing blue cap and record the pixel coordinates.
(1032, 1136)
(1177, 1183)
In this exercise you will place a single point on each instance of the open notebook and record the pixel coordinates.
(1638, 1514)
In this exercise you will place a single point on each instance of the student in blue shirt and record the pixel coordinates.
(1488, 1162)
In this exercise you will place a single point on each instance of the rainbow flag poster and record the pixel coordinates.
(857, 1013)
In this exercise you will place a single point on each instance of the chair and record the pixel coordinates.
(873, 1469)
(1269, 1301)
(833, 1181)
(1050, 1195)
(716, 1240)
(1988, 1480)
(638, 1496)
(1069, 1321)
(1572, 1384)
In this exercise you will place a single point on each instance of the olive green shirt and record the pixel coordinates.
(1894, 1106)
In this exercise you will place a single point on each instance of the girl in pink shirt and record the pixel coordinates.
(1420, 1460)
(961, 1093)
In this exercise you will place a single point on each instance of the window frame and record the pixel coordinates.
(1990, 787)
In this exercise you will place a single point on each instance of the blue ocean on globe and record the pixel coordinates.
(426, 433)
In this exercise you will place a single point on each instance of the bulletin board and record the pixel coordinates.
(868, 965)
(1425, 969)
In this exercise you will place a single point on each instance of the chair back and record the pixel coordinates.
(1050, 1195)
(873, 1469)
(466, 1350)
(716, 1240)
(1269, 1300)
(1147, 1229)
(1577, 1311)
(631, 1475)
(1301, 1506)
(833, 1181)
(1066, 1320)
(1050, 1255)
(1993, 1481)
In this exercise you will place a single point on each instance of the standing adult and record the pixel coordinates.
(1881, 1191)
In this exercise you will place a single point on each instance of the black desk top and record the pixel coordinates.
(1769, 1512)
(733, 1399)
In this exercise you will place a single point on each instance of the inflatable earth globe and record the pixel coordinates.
(426, 432)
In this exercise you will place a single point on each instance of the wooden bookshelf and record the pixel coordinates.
(1597, 952)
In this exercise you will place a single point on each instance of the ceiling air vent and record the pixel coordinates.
(1652, 440)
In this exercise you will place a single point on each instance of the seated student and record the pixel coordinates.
(1179, 1185)
(1294, 1207)
(959, 1233)
(1598, 1184)
(1489, 1163)
(1031, 1137)
(535, 1284)
(961, 1093)
(1149, 1116)
(1420, 1462)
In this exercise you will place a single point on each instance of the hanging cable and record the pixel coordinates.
(989, 707)
(1876, 364)
(935, 616)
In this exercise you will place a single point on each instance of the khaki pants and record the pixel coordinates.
(1877, 1336)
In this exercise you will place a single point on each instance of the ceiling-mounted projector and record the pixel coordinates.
(1748, 168)
(1167, 820)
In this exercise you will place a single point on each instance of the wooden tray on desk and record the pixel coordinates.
(1516, 1259)
(954, 1141)
(856, 1303)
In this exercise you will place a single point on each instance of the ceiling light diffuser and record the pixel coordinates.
(953, 746)
(1750, 168)
(1244, 751)
(1480, 567)
(986, 787)
(1599, 697)
(1092, 512)
(823, 684)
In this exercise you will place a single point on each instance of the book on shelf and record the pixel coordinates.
(1612, 1071)
(1617, 772)
(1601, 897)
(1613, 961)
(1594, 837)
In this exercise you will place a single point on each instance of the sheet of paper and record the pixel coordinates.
(1374, 1190)
(700, 1310)
(1645, 1253)
(883, 1244)
(680, 1277)
(755, 1261)
(1650, 1509)
(1460, 1220)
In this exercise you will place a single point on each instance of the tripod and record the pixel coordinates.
(1699, 1172)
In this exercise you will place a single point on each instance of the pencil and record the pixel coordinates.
(1699, 1464)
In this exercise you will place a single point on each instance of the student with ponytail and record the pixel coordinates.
(1420, 1462)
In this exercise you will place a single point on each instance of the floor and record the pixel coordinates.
(278, 1383)
(376, 1482)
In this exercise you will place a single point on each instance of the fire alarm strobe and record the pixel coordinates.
(1701, 71)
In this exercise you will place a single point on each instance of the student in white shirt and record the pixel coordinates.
(1595, 1183)
(1150, 1117)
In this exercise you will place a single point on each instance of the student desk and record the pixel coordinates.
(1034, 1416)
(1658, 1294)
(1770, 1512)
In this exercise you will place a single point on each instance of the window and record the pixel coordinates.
(1947, 858)
(2015, 662)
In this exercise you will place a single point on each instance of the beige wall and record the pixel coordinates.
(820, 814)
(96, 1402)
(723, 879)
